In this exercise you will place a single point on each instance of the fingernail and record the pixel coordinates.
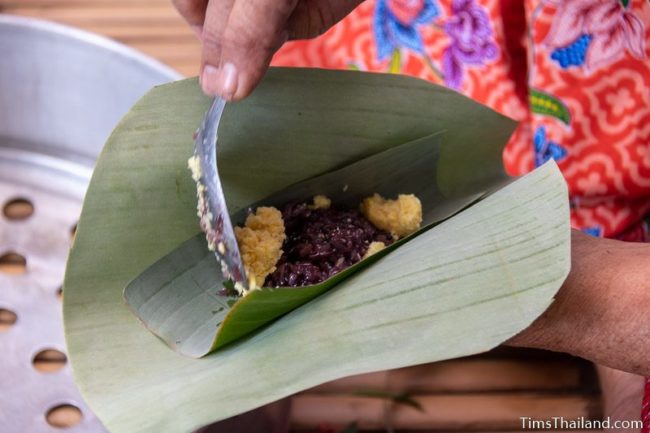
(209, 79)
(227, 84)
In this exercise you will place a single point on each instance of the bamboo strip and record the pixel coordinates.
(484, 411)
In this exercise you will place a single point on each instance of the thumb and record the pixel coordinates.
(255, 30)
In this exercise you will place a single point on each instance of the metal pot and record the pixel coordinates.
(61, 93)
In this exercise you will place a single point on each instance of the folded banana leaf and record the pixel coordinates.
(461, 287)
(178, 298)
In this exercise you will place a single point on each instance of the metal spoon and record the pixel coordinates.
(212, 209)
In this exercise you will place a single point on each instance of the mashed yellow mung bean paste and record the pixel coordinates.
(308, 243)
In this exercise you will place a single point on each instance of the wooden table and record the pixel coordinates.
(483, 393)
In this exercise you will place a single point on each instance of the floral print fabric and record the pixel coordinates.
(575, 73)
(471, 41)
(597, 32)
(589, 57)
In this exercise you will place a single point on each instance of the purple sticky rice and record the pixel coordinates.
(320, 243)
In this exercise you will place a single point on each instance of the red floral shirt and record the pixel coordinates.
(574, 72)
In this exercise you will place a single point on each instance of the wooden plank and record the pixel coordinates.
(463, 375)
(176, 32)
(458, 412)
(156, 13)
(79, 3)
(135, 32)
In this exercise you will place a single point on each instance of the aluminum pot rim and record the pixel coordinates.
(102, 42)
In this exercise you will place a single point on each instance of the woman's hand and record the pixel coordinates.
(602, 312)
(239, 37)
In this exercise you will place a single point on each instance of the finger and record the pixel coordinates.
(216, 18)
(193, 11)
(255, 31)
(311, 18)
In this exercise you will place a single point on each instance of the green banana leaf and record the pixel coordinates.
(177, 297)
(462, 287)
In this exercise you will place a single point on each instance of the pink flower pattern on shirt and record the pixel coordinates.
(612, 28)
